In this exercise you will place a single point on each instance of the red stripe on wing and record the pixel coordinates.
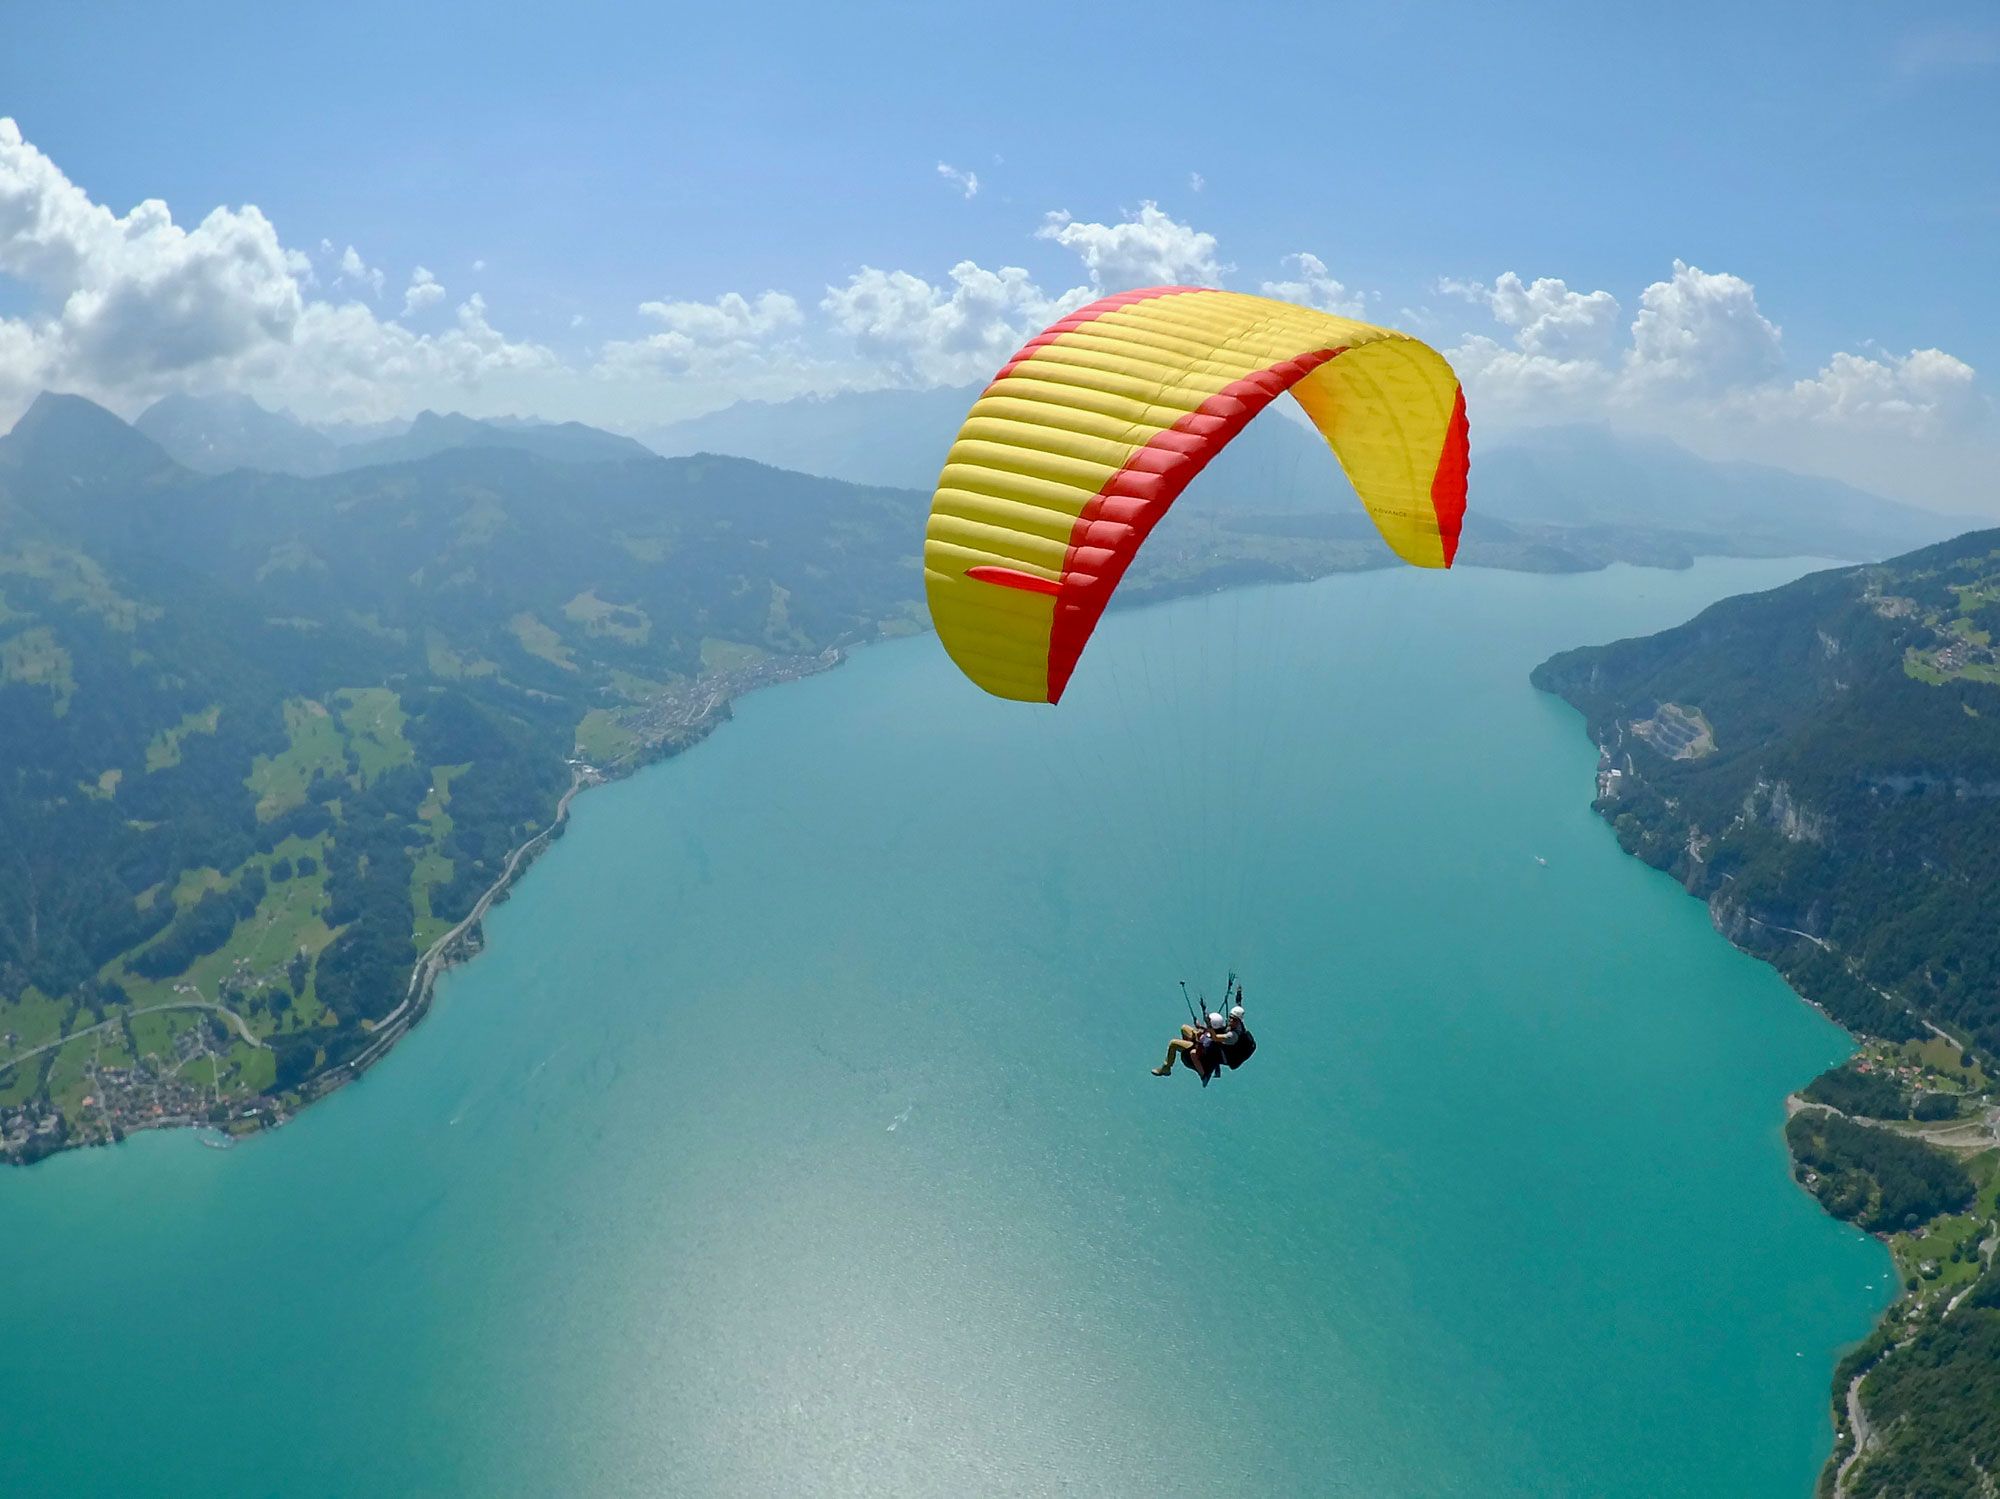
(1008, 577)
(1119, 517)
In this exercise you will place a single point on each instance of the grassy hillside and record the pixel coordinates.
(269, 736)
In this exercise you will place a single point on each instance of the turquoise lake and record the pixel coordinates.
(793, 1135)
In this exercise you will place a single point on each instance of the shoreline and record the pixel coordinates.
(664, 727)
(1854, 1435)
(674, 735)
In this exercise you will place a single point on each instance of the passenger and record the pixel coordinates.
(1198, 1049)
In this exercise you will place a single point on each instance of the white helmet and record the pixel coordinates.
(1236, 1012)
(1214, 1020)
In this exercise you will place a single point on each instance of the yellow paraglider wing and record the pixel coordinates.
(1084, 439)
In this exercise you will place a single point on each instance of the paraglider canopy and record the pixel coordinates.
(1088, 435)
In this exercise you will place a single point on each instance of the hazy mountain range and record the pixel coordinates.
(1553, 499)
(1663, 499)
(215, 434)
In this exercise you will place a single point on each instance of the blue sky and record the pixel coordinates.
(1829, 171)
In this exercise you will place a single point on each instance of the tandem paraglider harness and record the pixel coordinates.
(1209, 1056)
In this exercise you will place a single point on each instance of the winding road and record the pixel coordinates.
(437, 956)
(1864, 1437)
(242, 1027)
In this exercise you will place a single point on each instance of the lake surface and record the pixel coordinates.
(793, 1135)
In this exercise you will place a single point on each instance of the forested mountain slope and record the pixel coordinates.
(266, 737)
(1821, 763)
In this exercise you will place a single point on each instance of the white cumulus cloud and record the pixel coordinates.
(940, 334)
(1315, 287)
(1546, 317)
(1510, 382)
(344, 361)
(1923, 392)
(1148, 248)
(966, 182)
(422, 291)
(136, 297)
(125, 307)
(1703, 333)
(1559, 350)
(357, 272)
(705, 337)
(730, 317)
(1699, 357)
(908, 328)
